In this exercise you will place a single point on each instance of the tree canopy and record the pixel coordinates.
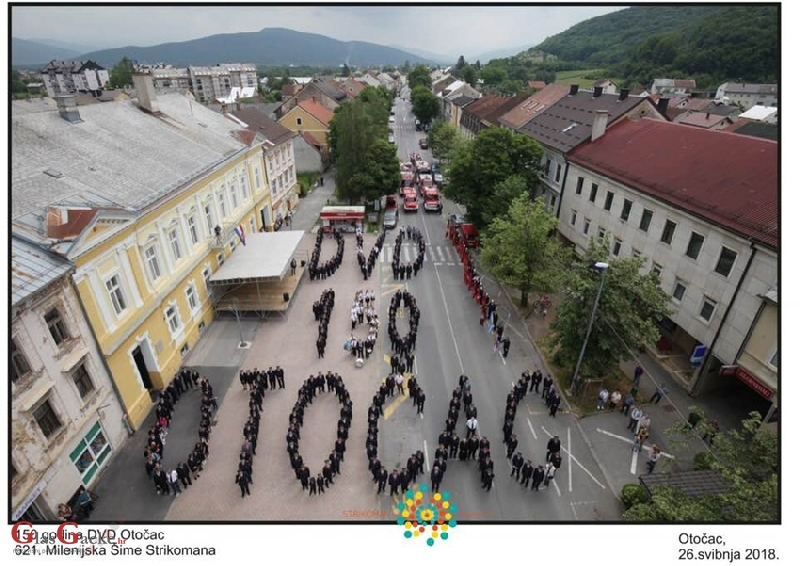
(444, 139)
(424, 104)
(121, 74)
(480, 166)
(420, 75)
(520, 248)
(747, 460)
(630, 306)
(366, 164)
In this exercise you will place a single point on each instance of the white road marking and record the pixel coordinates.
(581, 466)
(533, 432)
(569, 461)
(629, 441)
(634, 461)
(558, 489)
(427, 460)
(449, 255)
(438, 263)
(406, 254)
(439, 251)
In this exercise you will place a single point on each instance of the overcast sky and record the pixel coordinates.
(446, 30)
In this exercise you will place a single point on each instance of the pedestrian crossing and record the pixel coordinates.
(437, 255)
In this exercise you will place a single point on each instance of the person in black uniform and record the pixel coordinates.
(527, 472)
(516, 464)
(436, 478)
(538, 477)
(512, 445)
(383, 475)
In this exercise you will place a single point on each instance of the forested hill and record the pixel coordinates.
(608, 39)
(708, 43)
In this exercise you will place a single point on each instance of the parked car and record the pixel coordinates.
(390, 218)
(391, 202)
(423, 143)
(391, 119)
(391, 138)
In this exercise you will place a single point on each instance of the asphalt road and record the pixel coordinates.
(451, 342)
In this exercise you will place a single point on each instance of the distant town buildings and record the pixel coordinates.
(207, 84)
(69, 77)
(748, 95)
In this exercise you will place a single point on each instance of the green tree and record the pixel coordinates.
(630, 306)
(17, 84)
(424, 104)
(521, 249)
(493, 74)
(747, 460)
(461, 63)
(444, 139)
(388, 69)
(420, 75)
(379, 174)
(480, 165)
(469, 75)
(346, 70)
(121, 74)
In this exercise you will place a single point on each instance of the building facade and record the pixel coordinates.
(746, 95)
(155, 218)
(66, 417)
(210, 83)
(713, 243)
(69, 77)
(311, 118)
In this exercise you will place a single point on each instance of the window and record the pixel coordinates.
(548, 167)
(47, 419)
(221, 200)
(708, 308)
(191, 298)
(695, 245)
(115, 292)
(726, 260)
(280, 181)
(234, 196)
(286, 178)
(174, 243)
(91, 453)
(593, 194)
(669, 231)
(609, 200)
(678, 290)
(274, 187)
(192, 223)
(206, 276)
(151, 259)
(56, 326)
(573, 217)
(644, 223)
(19, 363)
(82, 381)
(209, 218)
(657, 269)
(586, 225)
(601, 233)
(257, 175)
(173, 319)
(201, 326)
(626, 210)
(579, 186)
(252, 224)
(551, 202)
(617, 247)
(558, 173)
(635, 253)
(243, 186)
(299, 121)
(184, 350)
(221, 258)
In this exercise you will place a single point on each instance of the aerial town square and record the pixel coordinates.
(287, 277)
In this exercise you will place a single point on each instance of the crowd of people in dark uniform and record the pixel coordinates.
(322, 314)
(329, 267)
(170, 481)
(401, 477)
(367, 263)
(522, 469)
(403, 270)
(470, 447)
(314, 385)
(363, 309)
(257, 382)
(407, 344)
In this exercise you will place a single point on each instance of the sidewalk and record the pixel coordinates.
(308, 208)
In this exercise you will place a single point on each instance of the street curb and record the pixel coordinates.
(596, 459)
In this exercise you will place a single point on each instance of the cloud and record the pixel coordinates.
(448, 30)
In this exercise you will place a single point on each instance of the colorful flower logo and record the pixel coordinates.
(432, 519)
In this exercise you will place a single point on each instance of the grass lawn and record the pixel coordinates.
(585, 403)
(578, 77)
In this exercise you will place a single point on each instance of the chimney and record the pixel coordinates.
(623, 94)
(663, 104)
(573, 90)
(598, 90)
(145, 92)
(68, 108)
(599, 124)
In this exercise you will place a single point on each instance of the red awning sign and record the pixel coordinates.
(754, 383)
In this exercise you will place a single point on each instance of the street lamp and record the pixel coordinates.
(602, 267)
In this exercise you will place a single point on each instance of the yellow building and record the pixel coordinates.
(144, 197)
(309, 117)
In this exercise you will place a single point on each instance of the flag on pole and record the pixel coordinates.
(240, 232)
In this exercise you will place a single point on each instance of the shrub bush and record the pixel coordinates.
(633, 494)
(703, 460)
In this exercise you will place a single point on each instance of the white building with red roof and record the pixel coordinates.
(701, 207)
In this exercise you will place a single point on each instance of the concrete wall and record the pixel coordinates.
(307, 158)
